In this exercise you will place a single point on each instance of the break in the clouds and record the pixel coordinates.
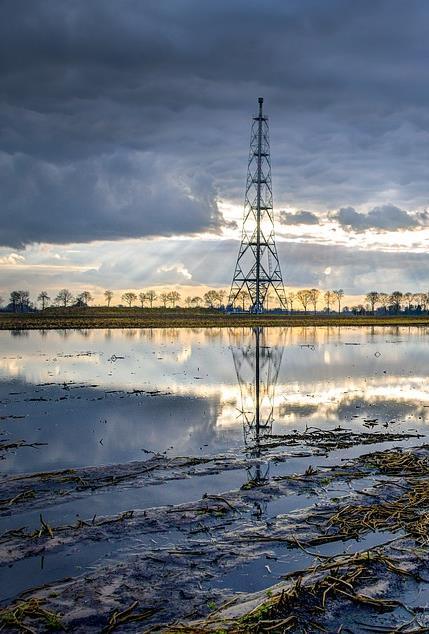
(191, 263)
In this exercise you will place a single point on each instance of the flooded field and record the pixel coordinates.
(152, 477)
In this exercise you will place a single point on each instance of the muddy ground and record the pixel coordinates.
(349, 542)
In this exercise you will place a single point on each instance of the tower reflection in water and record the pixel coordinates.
(257, 365)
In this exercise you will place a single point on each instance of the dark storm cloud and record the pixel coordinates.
(118, 195)
(129, 119)
(299, 218)
(382, 218)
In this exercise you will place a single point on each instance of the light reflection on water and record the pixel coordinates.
(105, 396)
(108, 396)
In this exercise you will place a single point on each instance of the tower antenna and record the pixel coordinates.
(257, 270)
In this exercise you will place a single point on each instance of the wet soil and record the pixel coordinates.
(173, 566)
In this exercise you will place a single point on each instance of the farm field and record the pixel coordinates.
(98, 317)
(263, 479)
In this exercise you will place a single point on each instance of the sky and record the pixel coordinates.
(125, 129)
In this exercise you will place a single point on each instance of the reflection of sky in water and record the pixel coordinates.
(323, 378)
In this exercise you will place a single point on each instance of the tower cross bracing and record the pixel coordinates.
(257, 271)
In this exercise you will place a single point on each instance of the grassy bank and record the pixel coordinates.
(99, 317)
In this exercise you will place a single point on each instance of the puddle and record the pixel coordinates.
(104, 399)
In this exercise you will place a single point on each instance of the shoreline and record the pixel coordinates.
(99, 318)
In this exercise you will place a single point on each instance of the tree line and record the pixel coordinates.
(303, 300)
(20, 301)
(329, 301)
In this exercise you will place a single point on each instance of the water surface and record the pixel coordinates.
(101, 397)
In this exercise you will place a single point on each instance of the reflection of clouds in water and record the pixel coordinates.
(381, 388)
(316, 385)
(35, 368)
(126, 426)
(11, 367)
(184, 355)
(330, 402)
(326, 396)
(149, 357)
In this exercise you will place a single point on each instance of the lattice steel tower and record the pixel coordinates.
(258, 268)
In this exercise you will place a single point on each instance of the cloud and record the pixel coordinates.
(382, 218)
(132, 122)
(178, 269)
(12, 259)
(123, 126)
(120, 265)
(298, 218)
(119, 196)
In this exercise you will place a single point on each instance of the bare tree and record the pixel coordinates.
(174, 298)
(407, 299)
(416, 300)
(43, 298)
(197, 301)
(220, 296)
(108, 296)
(1, 301)
(24, 299)
(142, 298)
(85, 298)
(373, 298)
(14, 300)
(151, 296)
(64, 297)
(164, 297)
(395, 300)
(291, 297)
(19, 299)
(384, 300)
(420, 300)
(329, 298)
(129, 298)
(304, 296)
(211, 298)
(241, 297)
(339, 294)
(314, 296)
